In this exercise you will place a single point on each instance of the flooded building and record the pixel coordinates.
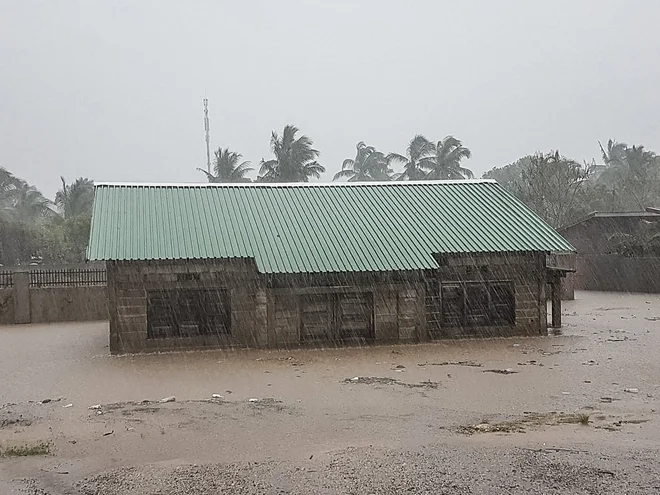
(616, 251)
(274, 265)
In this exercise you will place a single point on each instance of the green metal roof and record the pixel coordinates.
(295, 228)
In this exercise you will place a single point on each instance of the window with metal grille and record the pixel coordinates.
(188, 313)
(478, 304)
(345, 317)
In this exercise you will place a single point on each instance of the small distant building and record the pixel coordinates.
(274, 265)
(600, 239)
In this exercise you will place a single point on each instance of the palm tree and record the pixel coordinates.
(7, 183)
(228, 167)
(445, 161)
(295, 159)
(28, 204)
(615, 153)
(368, 165)
(632, 172)
(75, 199)
(419, 149)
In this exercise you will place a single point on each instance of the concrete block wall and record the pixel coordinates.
(22, 304)
(130, 282)
(527, 271)
(267, 313)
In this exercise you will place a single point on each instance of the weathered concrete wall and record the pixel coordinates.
(568, 287)
(386, 321)
(611, 272)
(268, 311)
(528, 274)
(56, 304)
(6, 306)
(284, 315)
(129, 282)
(23, 303)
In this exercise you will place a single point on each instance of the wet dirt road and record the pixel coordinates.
(370, 420)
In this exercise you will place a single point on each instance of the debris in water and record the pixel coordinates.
(606, 400)
(376, 380)
(591, 362)
(455, 363)
(171, 398)
(529, 420)
(565, 393)
(253, 400)
(399, 367)
(507, 371)
(46, 401)
(631, 390)
(68, 405)
(217, 396)
(652, 318)
(94, 407)
(108, 433)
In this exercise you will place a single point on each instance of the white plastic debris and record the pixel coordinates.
(631, 390)
(355, 379)
(94, 407)
(217, 396)
(171, 398)
(565, 393)
(253, 400)
(68, 405)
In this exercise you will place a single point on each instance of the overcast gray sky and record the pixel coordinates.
(113, 90)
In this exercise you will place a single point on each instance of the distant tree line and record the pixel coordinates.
(35, 229)
(559, 189)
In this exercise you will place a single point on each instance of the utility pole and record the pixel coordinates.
(207, 129)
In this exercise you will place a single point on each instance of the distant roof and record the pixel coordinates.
(313, 227)
(648, 212)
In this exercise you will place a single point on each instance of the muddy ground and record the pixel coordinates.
(570, 413)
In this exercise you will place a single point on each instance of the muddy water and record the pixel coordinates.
(608, 344)
(72, 360)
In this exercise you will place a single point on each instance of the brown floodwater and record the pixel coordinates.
(608, 345)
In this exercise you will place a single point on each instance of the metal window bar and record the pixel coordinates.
(6, 279)
(68, 277)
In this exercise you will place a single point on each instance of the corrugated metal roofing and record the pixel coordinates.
(294, 228)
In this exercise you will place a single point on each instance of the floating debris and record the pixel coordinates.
(529, 420)
(453, 363)
(507, 371)
(376, 380)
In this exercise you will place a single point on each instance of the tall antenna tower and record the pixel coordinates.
(207, 129)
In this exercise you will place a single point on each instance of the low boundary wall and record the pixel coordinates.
(616, 273)
(53, 294)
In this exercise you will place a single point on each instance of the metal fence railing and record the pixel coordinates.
(68, 277)
(6, 279)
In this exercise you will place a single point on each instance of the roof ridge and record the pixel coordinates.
(292, 184)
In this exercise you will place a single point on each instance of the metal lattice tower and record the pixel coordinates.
(207, 129)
